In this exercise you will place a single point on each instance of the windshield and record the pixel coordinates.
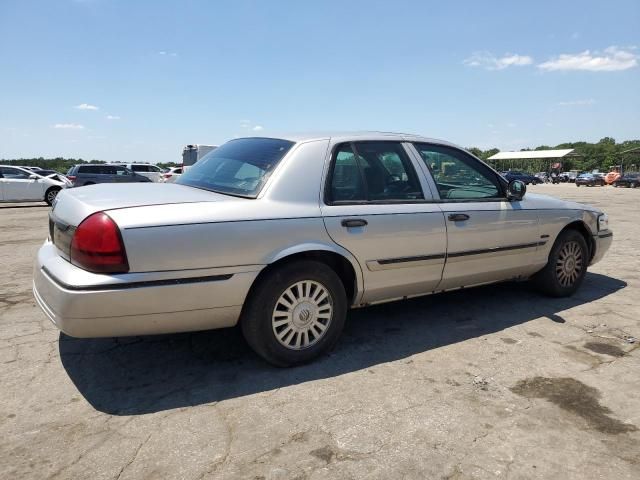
(239, 167)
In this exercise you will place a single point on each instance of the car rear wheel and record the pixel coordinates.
(51, 195)
(295, 313)
(566, 267)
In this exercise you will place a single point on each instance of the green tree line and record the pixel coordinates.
(586, 156)
(589, 156)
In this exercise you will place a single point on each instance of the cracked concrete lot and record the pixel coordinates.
(495, 382)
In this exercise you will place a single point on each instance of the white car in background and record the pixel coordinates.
(19, 184)
(172, 174)
(152, 172)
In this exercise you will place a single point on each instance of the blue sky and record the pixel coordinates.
(137, 80)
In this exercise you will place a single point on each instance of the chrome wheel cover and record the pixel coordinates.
(51, 196)
(569, 264)
(302, 315)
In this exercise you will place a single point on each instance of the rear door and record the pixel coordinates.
(489, 237)
(377, 206)
(152, 172)
(120, 174)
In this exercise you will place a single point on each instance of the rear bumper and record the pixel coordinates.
(137, 308)
(602, 243)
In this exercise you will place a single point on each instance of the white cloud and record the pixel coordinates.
(86, 106)
(609, 60)
(112, 117)
(489, 61)
(245, 123)
(170, 54)
(570, 103)
(68, 126)
(257, 128)
(162, 53)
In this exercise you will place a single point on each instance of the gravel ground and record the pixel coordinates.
(494, 382)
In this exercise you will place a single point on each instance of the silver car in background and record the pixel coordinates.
(284, 235)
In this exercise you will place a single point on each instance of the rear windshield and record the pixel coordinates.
(239, 167)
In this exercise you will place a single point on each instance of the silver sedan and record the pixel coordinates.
(284, 235)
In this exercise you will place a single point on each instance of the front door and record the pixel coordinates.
(489, 237)
(18, 187)
(378, 208)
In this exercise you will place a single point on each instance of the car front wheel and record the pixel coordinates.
(295, 314)
(51, 195)
(567, 266)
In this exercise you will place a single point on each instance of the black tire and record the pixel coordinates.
(256, 321)
(88, 183)
(633, 185)
(553, 280)
(51, 194)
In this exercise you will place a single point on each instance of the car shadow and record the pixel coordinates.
(31, 205)
(138, 375)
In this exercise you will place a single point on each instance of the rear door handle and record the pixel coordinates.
(458, 217)
(353, 222)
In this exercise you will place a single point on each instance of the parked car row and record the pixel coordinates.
(592, 179)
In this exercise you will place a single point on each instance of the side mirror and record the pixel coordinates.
(516, 190)
(33, 176)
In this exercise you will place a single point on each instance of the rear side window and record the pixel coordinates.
(346, 180)
(96, 169)
(239, 167)
(373, 172)
(140, 168)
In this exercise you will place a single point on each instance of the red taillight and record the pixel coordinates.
(167, 175)
(71, 177)
(97, 245)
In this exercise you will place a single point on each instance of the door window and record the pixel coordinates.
(459, 176)
(14, 173)
(373, 172)
(119, 171)
(346, 179)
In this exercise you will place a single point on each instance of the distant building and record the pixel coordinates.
(531, 160)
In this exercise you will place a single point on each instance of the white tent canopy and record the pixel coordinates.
(531, 154)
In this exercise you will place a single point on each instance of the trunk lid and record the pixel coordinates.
(75, 204)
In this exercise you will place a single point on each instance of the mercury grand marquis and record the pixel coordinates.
(283, 235)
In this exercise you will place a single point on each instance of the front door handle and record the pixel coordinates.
(353, 222)
(458, 217)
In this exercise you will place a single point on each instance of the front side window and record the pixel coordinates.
(373, 172)
(459, 176)
(120, 171)
(140, 168)
(14, 173)
(239, 167)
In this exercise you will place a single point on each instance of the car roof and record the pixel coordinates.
(345, 136)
